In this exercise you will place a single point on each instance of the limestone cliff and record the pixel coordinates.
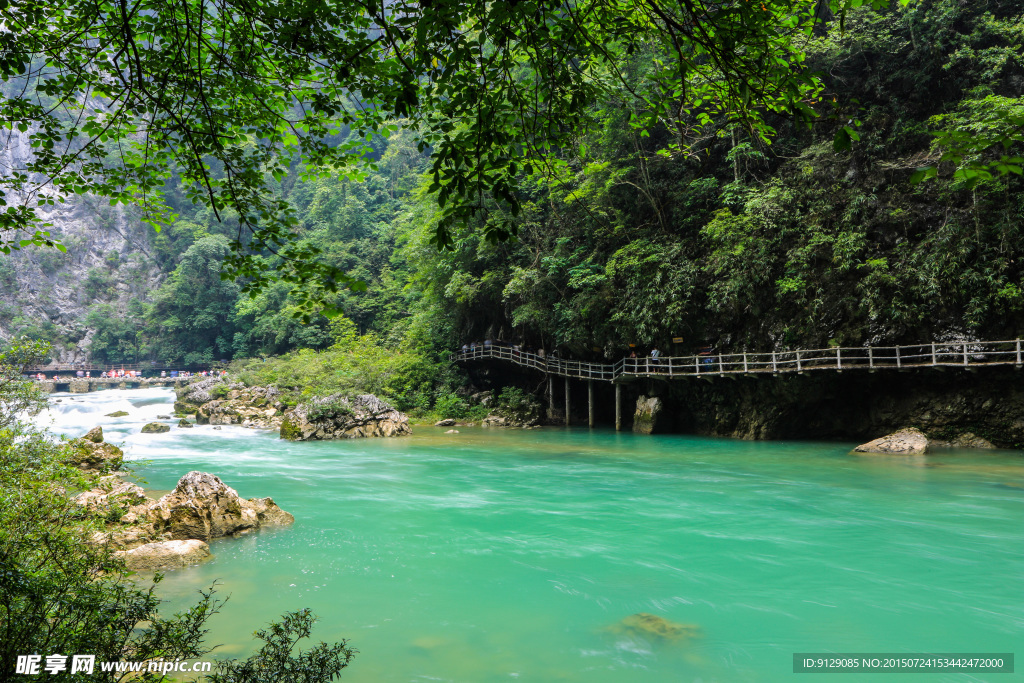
(109, 260)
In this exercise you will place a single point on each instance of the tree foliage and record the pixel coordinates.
(222, 99)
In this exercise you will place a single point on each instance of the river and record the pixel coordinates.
(497, 555)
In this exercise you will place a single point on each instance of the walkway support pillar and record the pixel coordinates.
(590, 403)
(618, 407)
(566, 401)
(551, 395)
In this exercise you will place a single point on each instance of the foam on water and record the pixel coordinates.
(501, 554)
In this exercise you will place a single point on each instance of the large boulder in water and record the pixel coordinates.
(198, 392)
(258, 407)
(202, 507)
(165, 555)
(339, 417)
(155, 428)
(910, 441)
(648, 412)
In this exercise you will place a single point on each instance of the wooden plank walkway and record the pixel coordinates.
(962, 355)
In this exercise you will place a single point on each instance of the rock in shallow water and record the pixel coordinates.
(910, 441)
(155, 428)
(165, 555)
(92, 454)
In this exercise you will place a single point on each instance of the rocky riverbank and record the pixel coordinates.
(218, 401)
(176, 529)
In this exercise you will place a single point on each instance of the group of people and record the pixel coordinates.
(131, 374)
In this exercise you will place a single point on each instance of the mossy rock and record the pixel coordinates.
(185, 423)
(118, 413)
(90, 455)
(155, 428)
(289, 430)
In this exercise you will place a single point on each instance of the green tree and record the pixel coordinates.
(115, 98)
(195, 309)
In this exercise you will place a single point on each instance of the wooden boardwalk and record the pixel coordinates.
(963, 355)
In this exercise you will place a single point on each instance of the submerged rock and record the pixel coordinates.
(339, 417)
(452, 431)
(155, 428)
(909, 441)
(165, 555)
(648, 412)
(650, 626)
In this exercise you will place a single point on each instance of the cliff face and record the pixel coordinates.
(46, 293)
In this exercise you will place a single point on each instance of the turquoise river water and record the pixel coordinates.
(497, 555)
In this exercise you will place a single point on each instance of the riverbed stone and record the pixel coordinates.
(447, 422)
(652, 626)
(341, 417)
(647, 415)
(908, 441)
(155, 428)
(165, 555)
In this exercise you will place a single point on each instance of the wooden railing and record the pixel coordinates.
(939, 354)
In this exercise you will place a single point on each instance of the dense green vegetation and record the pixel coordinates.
(60, 592)
(821, 237)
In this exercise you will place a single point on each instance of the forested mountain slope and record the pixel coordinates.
(741, 244)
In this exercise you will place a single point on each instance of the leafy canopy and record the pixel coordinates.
(118, 98)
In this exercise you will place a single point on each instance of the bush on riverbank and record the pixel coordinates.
(62, 593)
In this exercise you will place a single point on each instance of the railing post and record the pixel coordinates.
(670, 367)
(934, 362)
(871, 357)
(721, 365)
(799, 368)
(696, 365)
(1018, 352)
(775, 367)
(898, 363)
(965, 354)
(744, 362)
(839, 359)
